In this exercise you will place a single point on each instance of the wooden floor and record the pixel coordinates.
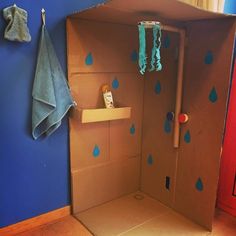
(224, 225)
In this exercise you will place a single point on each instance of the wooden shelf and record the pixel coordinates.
(105, 114)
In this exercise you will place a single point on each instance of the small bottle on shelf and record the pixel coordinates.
(107, 96)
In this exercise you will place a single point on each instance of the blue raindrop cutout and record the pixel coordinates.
(115, 83)
(96, 151)
(213, 95)
(167, 126)
(199, 185)
(166, 41)
(208, 58)
(89, 59)
(187, 137)
(134, 56)
(158, 87)
(132, 129)
(150, 160)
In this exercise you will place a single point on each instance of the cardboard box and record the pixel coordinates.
(103, 47)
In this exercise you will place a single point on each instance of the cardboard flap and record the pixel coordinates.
(131, 11)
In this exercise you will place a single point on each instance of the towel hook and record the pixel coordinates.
(43, 16)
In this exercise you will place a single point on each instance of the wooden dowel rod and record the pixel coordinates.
(149, 24)
(179, 89)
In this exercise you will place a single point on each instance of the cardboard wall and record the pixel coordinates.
(105, 156)
(206, 84)
(158, 154)
(185, 178)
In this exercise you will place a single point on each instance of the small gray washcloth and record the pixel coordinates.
(16, 29)
(51, 94)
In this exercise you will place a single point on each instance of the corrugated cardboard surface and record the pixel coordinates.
(201, 157)
(156, 141)
(123, 144)
(115, 171)
(109, 45)
(144, 217)
(97, 184)
(132, 11)
(110, 49)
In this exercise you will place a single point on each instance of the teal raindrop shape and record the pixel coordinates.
(96, 151)
(187, 137)
(167, 126)
(209, 58)
(158, 87)
(132, 129)
(213, 95)
(166, 41)
(150, 159)
(115, 83)
(134, 56)
(199, 185)
(89, 59)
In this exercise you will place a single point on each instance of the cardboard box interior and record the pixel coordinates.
(113, 158)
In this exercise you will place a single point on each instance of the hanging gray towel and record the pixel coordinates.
(17, 29)
(51, 94)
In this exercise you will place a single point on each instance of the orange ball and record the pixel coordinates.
(183, 118)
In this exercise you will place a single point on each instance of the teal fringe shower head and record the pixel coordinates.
(156, 55)
(142, 49)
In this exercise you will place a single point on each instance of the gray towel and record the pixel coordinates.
(51, 95)
(17, 29)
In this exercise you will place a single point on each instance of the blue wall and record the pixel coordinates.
(34, 175)
(230, 6)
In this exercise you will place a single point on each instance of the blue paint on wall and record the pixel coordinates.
(199, 185)
(209, 58)
(89, 59)
(213, 95)
(132, 129)
(158, 87)
(34, 174)
(167, 126)
(96, 151)
(187, 137)
(115, 83)
(230, 6)
(150, 160)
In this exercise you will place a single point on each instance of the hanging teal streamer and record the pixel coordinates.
(142, 49)
(156, 55)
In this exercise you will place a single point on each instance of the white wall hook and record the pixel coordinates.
(43, 12)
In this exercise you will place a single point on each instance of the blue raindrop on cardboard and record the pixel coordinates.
(115, 83)
(167, 126)
(96, 151)
(213, 95)
(166, 41)
(150, 160)
(132, 129)
(158, 87)
(134, 56)
(89, 59)
(199, 185)
(187, 137)
(208, 58)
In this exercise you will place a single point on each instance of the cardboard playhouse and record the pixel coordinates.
(137, 146)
